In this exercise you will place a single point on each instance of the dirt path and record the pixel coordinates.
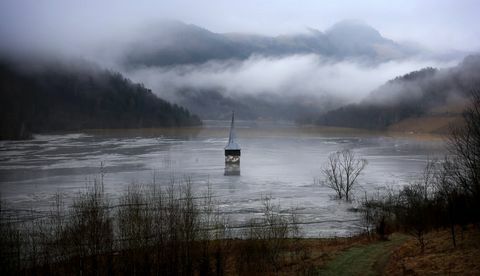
(364, 260)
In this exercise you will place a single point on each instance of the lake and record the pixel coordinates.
(279, 160)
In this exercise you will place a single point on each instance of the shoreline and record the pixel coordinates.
(253, 131)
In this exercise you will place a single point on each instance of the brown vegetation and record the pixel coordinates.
(425, 124)
(148, 231)
(447, 196)
(439, 257)
(437, 121)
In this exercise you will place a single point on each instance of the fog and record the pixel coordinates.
(283, 51)
(291, 75)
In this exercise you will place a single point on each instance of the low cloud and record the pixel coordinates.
(290, 75)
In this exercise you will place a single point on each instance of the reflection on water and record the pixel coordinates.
(232, 169)
(279, 160)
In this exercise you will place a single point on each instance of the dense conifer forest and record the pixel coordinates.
(58, 97)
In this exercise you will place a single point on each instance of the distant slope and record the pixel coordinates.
(214, 104)
(173, 43)
(420, 94)
(60, 97)
(437, 120)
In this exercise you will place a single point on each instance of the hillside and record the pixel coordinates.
(173, 42)
(213, 104)
(426, 96)
(52, 97)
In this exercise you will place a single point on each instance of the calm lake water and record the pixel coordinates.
(278, 160)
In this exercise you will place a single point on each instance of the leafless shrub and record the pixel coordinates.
(414, 208)
(90, 229)
(11, 241)
(378, 213)
(266, 239)
(414, 212)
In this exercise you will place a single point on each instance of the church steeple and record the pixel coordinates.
(232, 150)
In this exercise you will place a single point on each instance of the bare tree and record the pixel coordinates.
(464, 146)
(415, 212)
(341, 172)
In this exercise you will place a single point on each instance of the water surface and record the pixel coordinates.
(278, 160)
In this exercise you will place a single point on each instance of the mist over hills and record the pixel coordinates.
(173, 42)
(413, 95)
(311, 77)
(287, 77)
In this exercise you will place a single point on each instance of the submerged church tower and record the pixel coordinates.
(232, 150)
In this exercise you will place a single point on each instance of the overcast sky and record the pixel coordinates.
(436, 24)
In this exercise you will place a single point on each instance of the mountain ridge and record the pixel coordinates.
(177, 43)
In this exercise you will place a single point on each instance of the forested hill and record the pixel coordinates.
(410, 96)
(60, 97)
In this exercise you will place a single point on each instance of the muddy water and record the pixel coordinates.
(278, 160)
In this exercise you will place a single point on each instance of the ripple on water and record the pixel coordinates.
(281, 163)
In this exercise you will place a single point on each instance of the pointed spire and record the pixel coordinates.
(233, 135)
(232, 139)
